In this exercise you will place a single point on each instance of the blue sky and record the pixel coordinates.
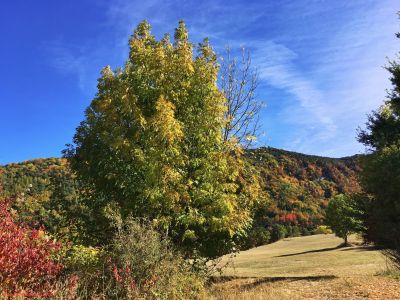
(319, 62)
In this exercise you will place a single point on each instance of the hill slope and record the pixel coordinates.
(297, 188)
(331, 174)
(31, 176)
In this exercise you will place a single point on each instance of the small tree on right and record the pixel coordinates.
(341, 217)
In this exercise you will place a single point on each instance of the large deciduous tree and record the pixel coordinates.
(151, 145)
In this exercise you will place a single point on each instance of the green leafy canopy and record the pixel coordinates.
(151, 145)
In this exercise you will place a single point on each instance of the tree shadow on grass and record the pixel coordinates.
(225, 278)
(313, 251)
(257, 281)
(345, 247)
(362, 248)
(263, 280)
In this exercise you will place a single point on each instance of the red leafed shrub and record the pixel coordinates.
(27, 267)
(290, 218)
(124, 279)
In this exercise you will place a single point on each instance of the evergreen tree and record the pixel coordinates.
(383, 126)
(381, 171)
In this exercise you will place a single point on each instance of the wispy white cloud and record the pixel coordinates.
(276, 65)
(342, 82)
(320, 62)
(351, 66)
(68, 61)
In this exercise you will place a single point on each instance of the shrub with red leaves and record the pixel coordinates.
(290, 218)
(27, 266)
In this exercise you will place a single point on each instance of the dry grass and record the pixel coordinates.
(307, 256)
(358, 287)
(313, 267)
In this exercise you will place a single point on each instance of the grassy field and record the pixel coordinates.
(313, 267)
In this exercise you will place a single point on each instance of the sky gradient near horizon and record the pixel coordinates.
(320, 64)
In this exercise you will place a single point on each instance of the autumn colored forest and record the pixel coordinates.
(298, 188)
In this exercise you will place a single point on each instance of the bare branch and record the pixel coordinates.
(239, 82)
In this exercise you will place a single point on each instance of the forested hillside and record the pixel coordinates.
(31, 176)
(297, 186)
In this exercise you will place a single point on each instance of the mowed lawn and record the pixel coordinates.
(307, 256)
(312, 267)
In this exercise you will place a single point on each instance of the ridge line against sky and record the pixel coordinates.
(320, 64)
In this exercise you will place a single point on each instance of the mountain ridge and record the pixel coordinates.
(269, 148)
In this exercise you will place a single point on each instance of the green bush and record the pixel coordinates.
(278, 232)
(81, 258)
(305, 232)
(257, 236)
(139, 264)
(149, 260)
(322, 229)
(293, 231)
